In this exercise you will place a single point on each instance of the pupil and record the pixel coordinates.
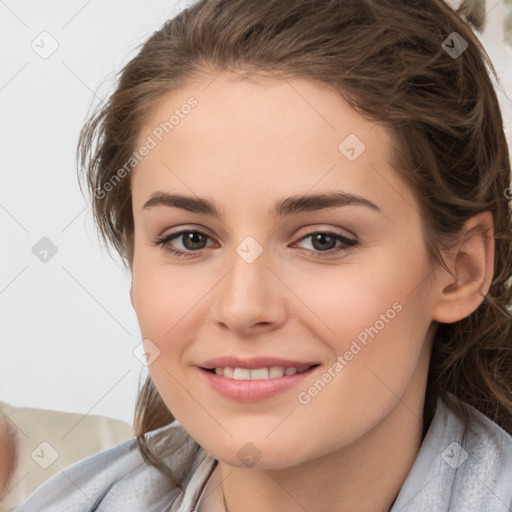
(321, 237)
(191, 239)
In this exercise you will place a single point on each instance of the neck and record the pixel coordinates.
(358, 477)
(365, 475)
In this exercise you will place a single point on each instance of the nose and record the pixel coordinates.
(250, 298)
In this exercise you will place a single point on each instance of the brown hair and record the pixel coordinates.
(387, 59)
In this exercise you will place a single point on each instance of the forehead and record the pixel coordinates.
(225, 134)
(263, 107)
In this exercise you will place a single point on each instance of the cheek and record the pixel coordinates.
(164, 303)
(171, 305)
(375, 316)
(163, 296)
(379, 325)
(339, 304)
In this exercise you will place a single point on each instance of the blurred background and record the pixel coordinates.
(69, 335)
(68, 329)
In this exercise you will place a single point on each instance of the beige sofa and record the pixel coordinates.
(47, 441)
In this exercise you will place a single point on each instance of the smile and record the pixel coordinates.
(255, 384)
(271, 372)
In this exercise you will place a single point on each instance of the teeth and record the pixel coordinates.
(256, 374)
(276, 371)
(259, 373)
(241, 374)
(228, 372)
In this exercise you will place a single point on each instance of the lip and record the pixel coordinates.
(254, 362)
(254, 390)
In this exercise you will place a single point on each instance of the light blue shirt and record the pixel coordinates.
(456, 470)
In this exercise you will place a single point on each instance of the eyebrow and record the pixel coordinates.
(289, 206)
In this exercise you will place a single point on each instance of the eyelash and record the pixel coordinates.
(348, 244)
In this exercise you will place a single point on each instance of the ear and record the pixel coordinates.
(472, 262)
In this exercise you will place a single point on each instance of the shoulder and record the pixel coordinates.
(488, 454)
(116, 479)
(462, 465)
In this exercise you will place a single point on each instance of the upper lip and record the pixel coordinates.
(254, 362)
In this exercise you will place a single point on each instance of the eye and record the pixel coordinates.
(324, 242)
(193, 242)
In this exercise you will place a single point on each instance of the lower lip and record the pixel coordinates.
(253, 390)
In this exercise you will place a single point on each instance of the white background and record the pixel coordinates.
(68, 329)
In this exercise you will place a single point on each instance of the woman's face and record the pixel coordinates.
(315, 260)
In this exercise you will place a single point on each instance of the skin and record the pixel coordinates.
(245, 146)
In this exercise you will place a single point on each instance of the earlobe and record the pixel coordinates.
(473, 264)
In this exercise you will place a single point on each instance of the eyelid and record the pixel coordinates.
(180, 231)
(348, 244)
(323, 228)
(304, 232)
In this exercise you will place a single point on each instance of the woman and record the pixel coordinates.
(310, 197)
